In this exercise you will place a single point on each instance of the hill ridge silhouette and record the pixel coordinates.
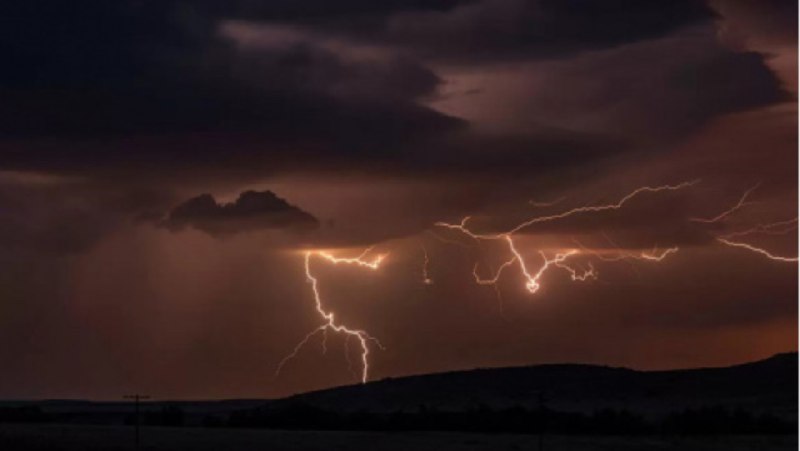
(766, 385)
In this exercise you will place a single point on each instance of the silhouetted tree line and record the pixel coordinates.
(169, 415)
(23, 414)
(518, 419)
(302, 416)
(166, 416)
(718, 420)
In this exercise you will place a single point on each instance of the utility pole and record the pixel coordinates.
(136, 398)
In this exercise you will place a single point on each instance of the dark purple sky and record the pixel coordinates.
(165, 166)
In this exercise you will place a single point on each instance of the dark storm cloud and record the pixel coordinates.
(381, 118)
(490, 155)
(771, 20)
(657, 90)
(121, 87)
(323, 10)
(298, 85)
(251, 211)
(534, 29)
(487, 30)
(111, 69)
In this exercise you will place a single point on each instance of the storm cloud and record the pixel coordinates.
(359, 124)
(276, 86)
(251, 211)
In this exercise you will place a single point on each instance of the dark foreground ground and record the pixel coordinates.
(57, 437)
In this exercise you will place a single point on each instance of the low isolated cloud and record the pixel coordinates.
(252, 211)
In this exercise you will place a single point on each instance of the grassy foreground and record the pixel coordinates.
(57, 437)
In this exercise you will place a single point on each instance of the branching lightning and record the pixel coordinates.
(558, 259)
(462, 227)
(756, 249)
(426, 279)
(574, 261)
(540, 204)
(329, 318)
(775, 228)
(532, 281)
(742, 203)
(655, 255)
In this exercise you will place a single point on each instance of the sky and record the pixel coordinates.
(197, 194)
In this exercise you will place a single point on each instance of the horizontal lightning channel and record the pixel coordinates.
(462, 227)
(560, 259)
(532, 280)
(756, 249)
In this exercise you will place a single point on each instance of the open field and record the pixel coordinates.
(88, 438)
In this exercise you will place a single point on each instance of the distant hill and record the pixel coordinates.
(766, 386)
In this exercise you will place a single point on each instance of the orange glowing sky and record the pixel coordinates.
(251, 201)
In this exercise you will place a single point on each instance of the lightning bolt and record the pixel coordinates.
(425, 262)
(742, 202)
(775, 228)
(462, 227)
(655, 255)
(573, 261)
(579, 275)
(539, 204)
(756, 249)
(297, 348)
(447, 241)
(532, 281)
(329, 318)
(347, 357)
